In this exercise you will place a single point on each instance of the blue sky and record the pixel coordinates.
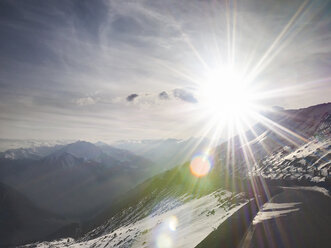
(108, 70)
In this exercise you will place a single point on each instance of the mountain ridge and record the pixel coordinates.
(89, 173)
(236, 178)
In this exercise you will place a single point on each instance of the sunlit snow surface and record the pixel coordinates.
(183, 224)
(275, 210)
(310, 161)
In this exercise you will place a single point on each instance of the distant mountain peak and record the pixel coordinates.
(100, 143)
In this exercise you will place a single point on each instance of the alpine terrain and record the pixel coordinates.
(266, 188)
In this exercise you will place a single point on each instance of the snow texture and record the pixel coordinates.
(310, 161)
(181, 222)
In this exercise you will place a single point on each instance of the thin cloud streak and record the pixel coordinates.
(68, 67)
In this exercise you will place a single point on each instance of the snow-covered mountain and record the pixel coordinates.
(193, 218)
(177, 209)
(282, 132)
(309, 162)
(30, 153)
(163, 209)
(164, 153)
(104, 154)
(10, 144)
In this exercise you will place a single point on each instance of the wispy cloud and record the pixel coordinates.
(56, 54)
(85, 101)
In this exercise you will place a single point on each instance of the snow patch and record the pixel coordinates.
(275, 210)
(180, 225)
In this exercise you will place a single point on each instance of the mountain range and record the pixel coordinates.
(246, 190)
(84, 176)
(73, 179)
(286, 148)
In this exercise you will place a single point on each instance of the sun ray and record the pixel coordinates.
(271, 124)
(262, 62)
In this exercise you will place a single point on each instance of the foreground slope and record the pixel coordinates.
(167, 208)
(235, 187)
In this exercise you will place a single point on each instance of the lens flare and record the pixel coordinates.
(173, 223)
(164, 241)
(164, 233)
(200, 165)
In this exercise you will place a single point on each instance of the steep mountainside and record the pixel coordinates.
(181, 210)
(309, 162)
(284, 129)
(166, 208)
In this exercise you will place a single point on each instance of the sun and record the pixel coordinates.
(225, 95)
